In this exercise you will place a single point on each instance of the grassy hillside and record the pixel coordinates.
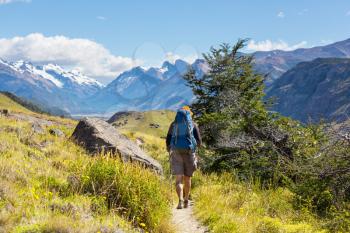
(155, 123)
(34, 106)
(8, 103)
(49, 184)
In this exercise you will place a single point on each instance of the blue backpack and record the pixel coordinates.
(182, 134)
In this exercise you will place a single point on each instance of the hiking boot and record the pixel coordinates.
(186, 202)
(180, 205)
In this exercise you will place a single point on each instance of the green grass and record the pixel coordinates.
(227, 205)
(34, 193)
(137, 194)
(46, 184)
(7, 103)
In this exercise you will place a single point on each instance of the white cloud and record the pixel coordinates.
(12, 1)
(269, 45)
(85, 55)
(171, 57)
(348, 13)
(281, 14)
(101, 18)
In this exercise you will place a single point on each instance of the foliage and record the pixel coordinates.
(236, 123)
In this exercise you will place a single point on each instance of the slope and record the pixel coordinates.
(43, 180)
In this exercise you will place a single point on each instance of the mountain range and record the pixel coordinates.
(277, 62)
(315, 90)
(163, 87)
(48, 85)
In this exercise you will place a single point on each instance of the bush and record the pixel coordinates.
(138, 194)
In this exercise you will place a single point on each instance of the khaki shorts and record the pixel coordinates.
(183, 162)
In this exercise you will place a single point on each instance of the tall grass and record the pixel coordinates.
(227, 205)
(38, 170)
(136, 193)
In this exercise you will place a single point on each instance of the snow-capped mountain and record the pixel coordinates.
(49, 85)
(144, 89)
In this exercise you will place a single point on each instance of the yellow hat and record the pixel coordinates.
(187, 108)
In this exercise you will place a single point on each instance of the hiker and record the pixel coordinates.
(182, 140)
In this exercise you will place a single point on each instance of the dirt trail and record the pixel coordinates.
(185, 222)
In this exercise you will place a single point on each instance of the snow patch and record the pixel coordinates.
(22, 66)
(74, 75)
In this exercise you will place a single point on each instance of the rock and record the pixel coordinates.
(45, 144)
(140, 141)
(56, 132)
(5, 112)
(154, 125)
(98, 136)
(37, 128)
(31, 119)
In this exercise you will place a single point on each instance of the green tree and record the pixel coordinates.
(234, 119)
(230, 95)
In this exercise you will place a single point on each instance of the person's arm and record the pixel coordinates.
(168, 136)
(197, 135)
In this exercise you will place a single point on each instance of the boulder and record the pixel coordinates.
(5, 112)
(154, 125)
(98, 136)
(37, 128)
(56, 132)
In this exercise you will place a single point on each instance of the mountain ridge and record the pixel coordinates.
(48, 85)
(314, 90)
(277, 62)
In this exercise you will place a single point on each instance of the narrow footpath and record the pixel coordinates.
(185, 221)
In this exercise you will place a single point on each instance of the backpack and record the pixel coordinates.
(182, 133)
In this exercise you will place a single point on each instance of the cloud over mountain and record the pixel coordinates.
(85, 55)
(268, 45)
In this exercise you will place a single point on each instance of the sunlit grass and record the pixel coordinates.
(142, 122)
(38, 171)
(227, 205)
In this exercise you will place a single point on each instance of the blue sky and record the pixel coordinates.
(127, 33)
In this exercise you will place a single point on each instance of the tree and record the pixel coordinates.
(234, 119)
(230, 94)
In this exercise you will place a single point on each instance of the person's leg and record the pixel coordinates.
(179, 190)
(177, 168)
(190, 167)
(179, 186)
(187, 187)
